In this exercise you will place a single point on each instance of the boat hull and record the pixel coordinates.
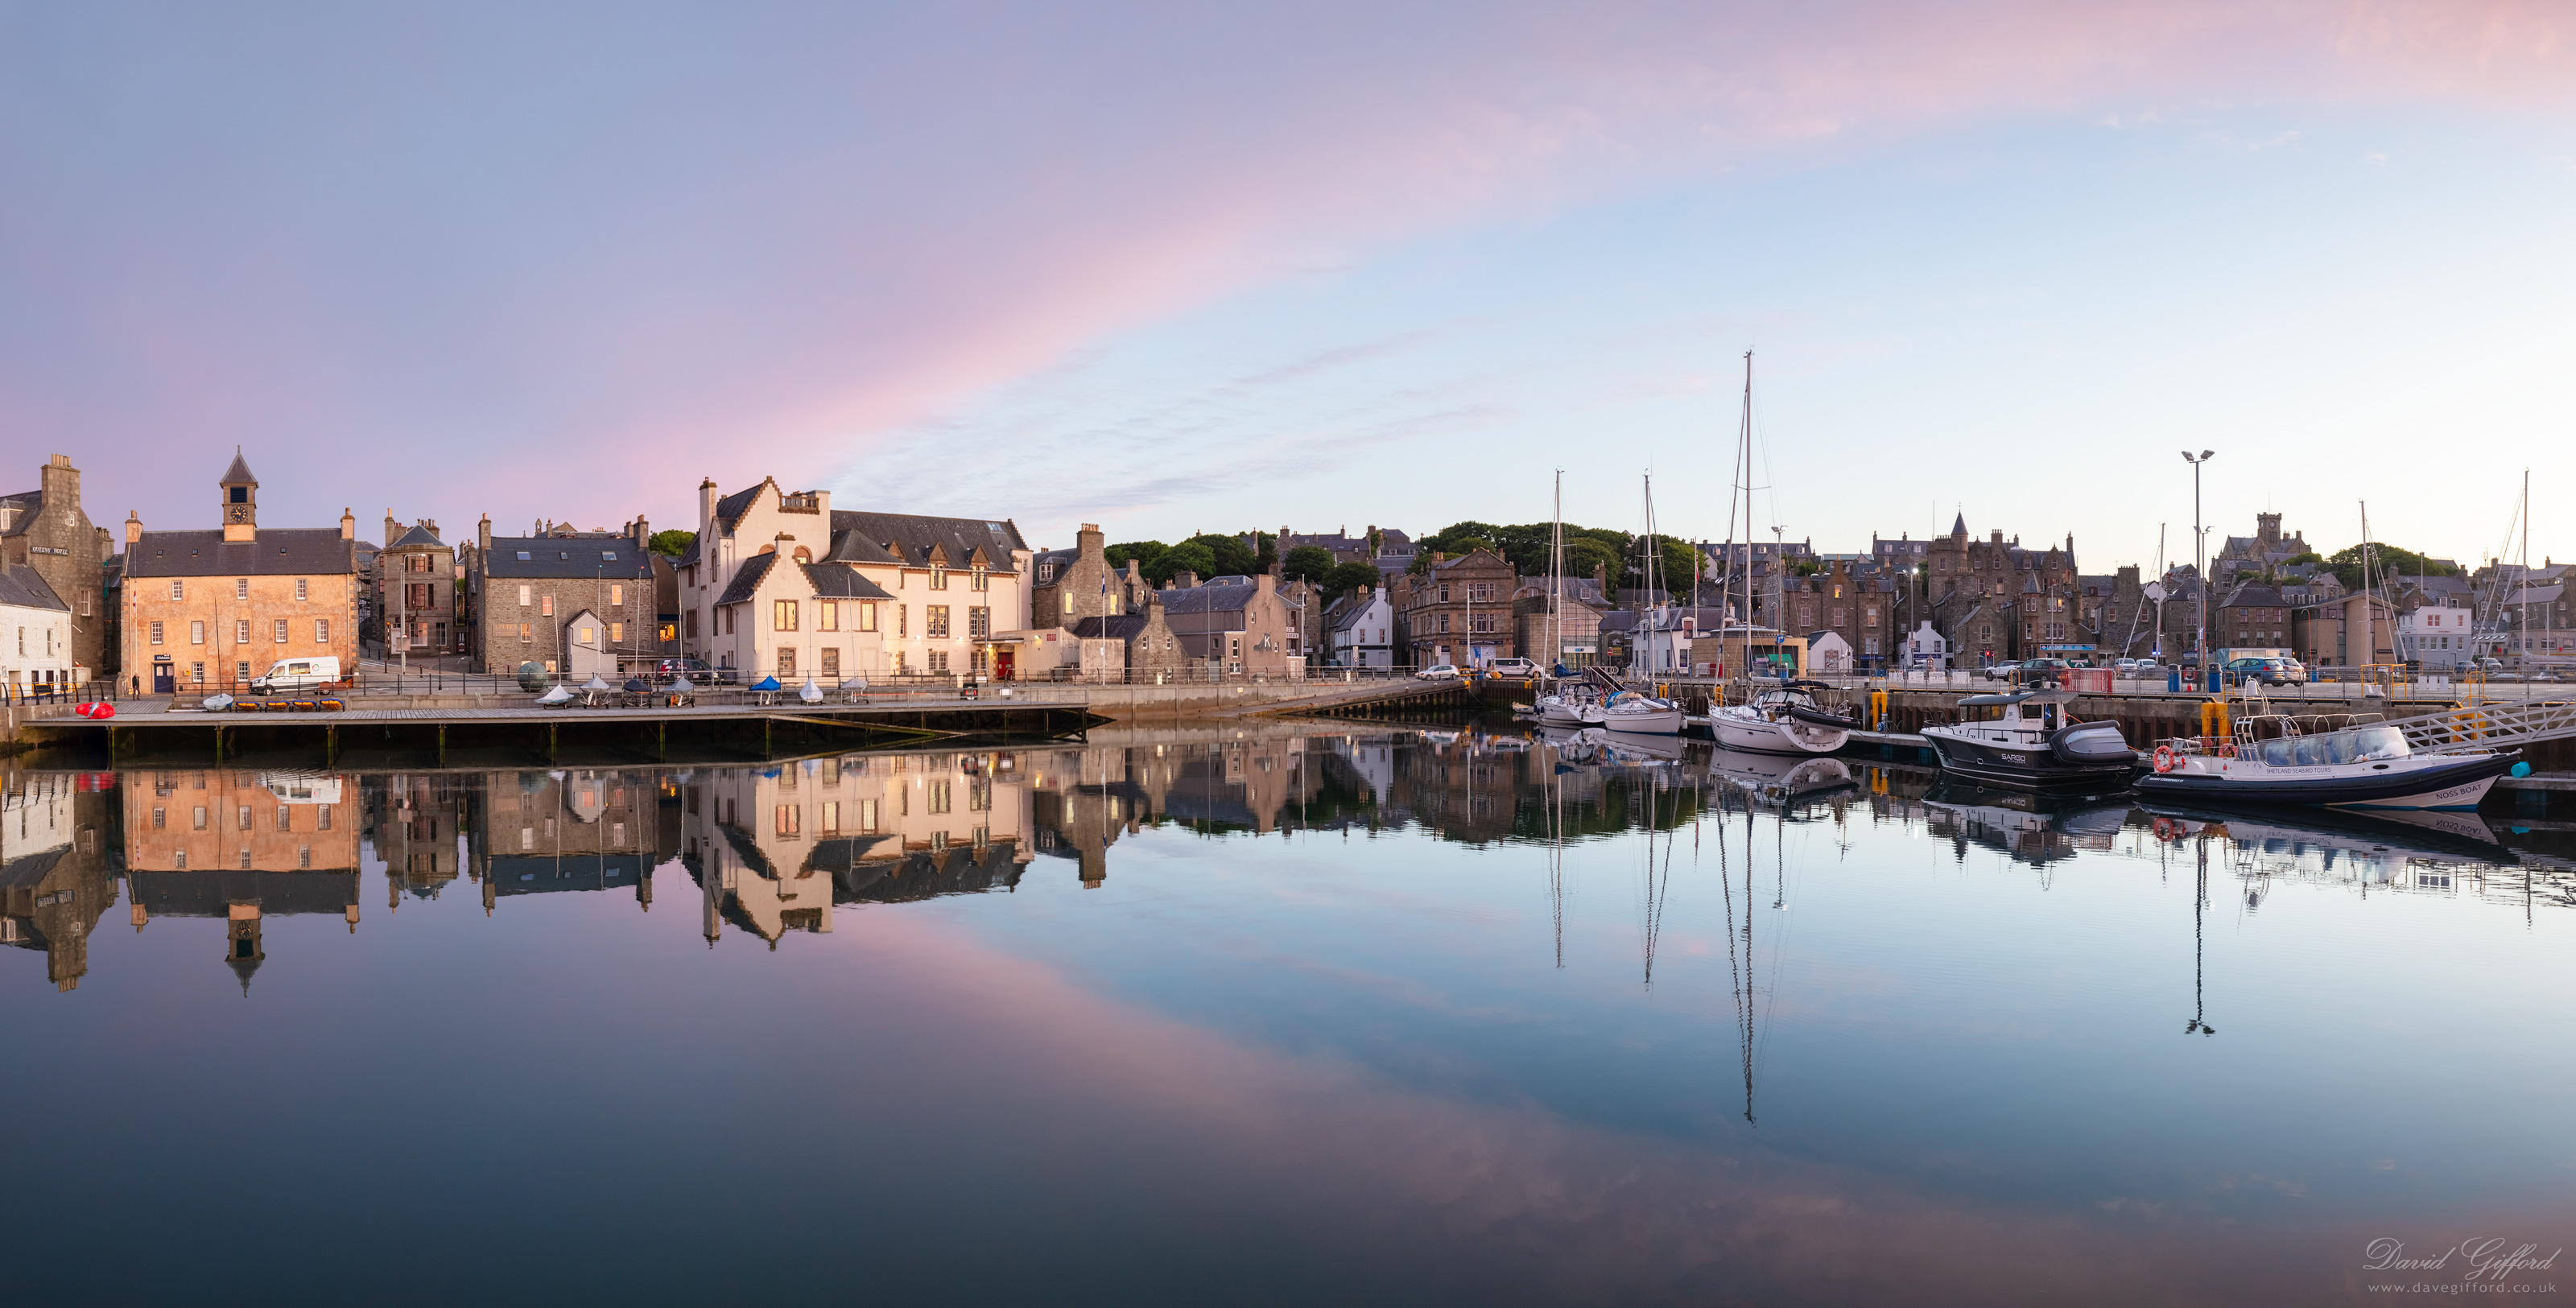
(1751, 734)
(1647, 722)
(2025, 767)
(2453, 786)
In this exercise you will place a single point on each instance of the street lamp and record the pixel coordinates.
(2200, 562)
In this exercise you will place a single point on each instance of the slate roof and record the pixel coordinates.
(833, 581)
(277, 551)
(1125, 626)
(747, 579)
(612, 557)
(2251, 594)
(25, 506)
(1347, 611)
(1210, 598)
(25, 588)
(239, 473)
(417, 538)
(860, 537)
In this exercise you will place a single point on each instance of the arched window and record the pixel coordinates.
(804, 555)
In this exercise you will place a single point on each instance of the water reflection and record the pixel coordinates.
(1376, 989)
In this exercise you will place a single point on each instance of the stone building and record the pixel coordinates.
(416, 591)
(1852, 602)
(1067, 586)
(1457, 610)
(527, 595)
(902, 594)
(2252, 615)
(1235, 626)
(549, 832)
(46, 529)
(2262, 553)
(1150, 651)
(209, 610)
(1996, 601)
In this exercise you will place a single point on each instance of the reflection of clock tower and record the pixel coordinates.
(241, 500)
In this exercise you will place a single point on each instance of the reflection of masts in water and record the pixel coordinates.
(1739, 949)
(1656, 881)
(2199, 902)
(1556, 847)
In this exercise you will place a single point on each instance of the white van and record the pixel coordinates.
(298, 674)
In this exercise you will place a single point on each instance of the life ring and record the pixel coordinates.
(2168, 830)
(2227, 751)
(2166, 759)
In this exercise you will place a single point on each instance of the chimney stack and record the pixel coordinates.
(133, 527)
(643, 533)
(707, 497)
(348, 525)
(483, 534)
(393, 531)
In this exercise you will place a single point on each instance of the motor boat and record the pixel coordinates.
(1783, 719)
(2337, 760)
(1568, 709)
(2027, 740)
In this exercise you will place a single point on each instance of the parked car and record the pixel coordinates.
(2038, 672)
(311, 673)
(2269, 670)
(1439, 672)
(1512, 667)
(666, 671)
(2000, 671)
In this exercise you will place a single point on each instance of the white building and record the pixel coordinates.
(1359, 630)
(1829, 654)
(780, 583)
(1927, 649)
(2434, 634)
(35, 634)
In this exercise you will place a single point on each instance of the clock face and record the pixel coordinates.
(241, 513)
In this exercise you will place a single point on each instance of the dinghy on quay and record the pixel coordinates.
(2336, 760)
(2029, 741)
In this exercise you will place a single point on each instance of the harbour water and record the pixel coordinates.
(1271, 1015)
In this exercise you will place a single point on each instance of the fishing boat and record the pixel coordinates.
(2028, 741)
(1784, 719)
(2335, 760)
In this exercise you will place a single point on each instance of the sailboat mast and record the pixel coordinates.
(1556, 577)
(2366, 648)
(2522, 650)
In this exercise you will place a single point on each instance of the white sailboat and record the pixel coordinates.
(1630, 712)
(1564, 705)
(1785, 719)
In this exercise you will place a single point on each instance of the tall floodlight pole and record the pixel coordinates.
(2200, 561)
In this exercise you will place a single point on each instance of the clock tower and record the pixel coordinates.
(241, 501)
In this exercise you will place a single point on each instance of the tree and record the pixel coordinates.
(1265, 551)
(1585, 556)
(1348, 577)
(1145, 551)
(1189, 556)
(1227, 555)
(2385, 560)
(672, 543)
(1312, 563)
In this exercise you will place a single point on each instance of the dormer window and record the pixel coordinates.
(938, 578)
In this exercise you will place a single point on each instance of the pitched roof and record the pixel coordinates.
(1210, 598)
(835, 581)
(2252, 593)
(1124, 626)
(612, 557)
(276, 551)
(419, 536)
(1959, 524)
(25, 588)
(747, 578)
(239, 473)
(917, 540)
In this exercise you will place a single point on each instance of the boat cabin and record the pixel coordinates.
(2026, 717)
(2283, 740)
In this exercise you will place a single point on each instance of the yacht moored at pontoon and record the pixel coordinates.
(2028, 741)
(2339, 760)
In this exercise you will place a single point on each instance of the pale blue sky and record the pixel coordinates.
(1326, 264)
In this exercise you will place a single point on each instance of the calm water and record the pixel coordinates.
(1202, 1017)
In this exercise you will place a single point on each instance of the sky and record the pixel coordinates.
(1177, 268)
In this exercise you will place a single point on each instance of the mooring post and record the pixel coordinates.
(764, 738)
(330, 746)
(442, 744)
(550, 742)
(661, 738)
(219, 746)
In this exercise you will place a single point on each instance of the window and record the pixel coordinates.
(1068, 606)
(178, 590)
(867, 816)
(242, 820)
(277, 631)
(791, 819)
(894, 663)
(867, 615)
(241, 671)
(527, 633)
(938, 797)
(545, 606)
(1444, 594)
(979, 623)
(902, 619)
(728, 615)
(241, 588)
(783, 615)
(691, 618)
(1046, 574)
(197, 673)
(301, 594)
(524, 596)
(201, 817)
(934, 621)
(160, 818)
(1444, 623)
(156, 633)
(196, 633)
(616, 591)
(786, 663)
(939, 578)
(827, 615)
(832, 663)
(609, 556)
(281, 818)
(616, 632)
(587, 635)
(979, 580)
(321, 631)
(939, 661)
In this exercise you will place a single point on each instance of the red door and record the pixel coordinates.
(1002, 665)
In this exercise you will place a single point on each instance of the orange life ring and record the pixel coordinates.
(2168, 830)
(2166, 759)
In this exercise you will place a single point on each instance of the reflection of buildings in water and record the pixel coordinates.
(413, 824)
(546, 832)
(774, 847)
(242, 846)
(54, 878)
